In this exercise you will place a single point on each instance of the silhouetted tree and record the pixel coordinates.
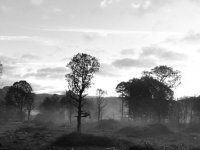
(122, 89)
(166, 75)
(10, 103)
(83, 67)
(101, 103)
(146, 97)
(30, 104)
(17, 96)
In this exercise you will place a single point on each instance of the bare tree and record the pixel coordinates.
(101, 103)
(83, 67)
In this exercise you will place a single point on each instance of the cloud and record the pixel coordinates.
(5, 9)
(146, 6)
(105, 32)
(8, 60)
(43, 73)
(40, 40)
(141, 5)
(107, 70)
(105, 3)
(161, 53)
(137, 63)
(191, 37)
(91, 36)
(30, 57)
(37, 2)
(57, 10)
(127, 52)
(186, 38)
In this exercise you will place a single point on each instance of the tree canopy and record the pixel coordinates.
(82, 66)
(166, 75)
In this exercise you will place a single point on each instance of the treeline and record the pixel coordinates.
(150, 99)
(147, 99)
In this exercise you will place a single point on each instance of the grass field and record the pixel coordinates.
(108, 134)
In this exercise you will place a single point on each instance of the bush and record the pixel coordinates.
(79, 140)
(138, 147)
(30, 129)
(192, 128)
(150, 130)
(108, 124)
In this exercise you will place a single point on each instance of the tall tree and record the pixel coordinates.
(146, 97)
(122, 88)
(30, 104)
(101, 103)
(83, 67)
(166, 75)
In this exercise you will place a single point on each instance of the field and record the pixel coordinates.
(108, 134)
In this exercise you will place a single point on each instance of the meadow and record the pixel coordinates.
(105, 135)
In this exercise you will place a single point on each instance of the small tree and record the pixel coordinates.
(101, 103)
(122, 90)
(83, 67)
(30, 104)
(20, 93)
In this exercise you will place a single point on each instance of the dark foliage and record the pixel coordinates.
(18, 98)
(166, 75)
(29, 129)
(147, 131)
(108, 124)
(50, 104)
(81, 140)
(192, 128)
(82, 66)
(140, 147)
(146, 97)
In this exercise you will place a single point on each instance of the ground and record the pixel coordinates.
(106, 135)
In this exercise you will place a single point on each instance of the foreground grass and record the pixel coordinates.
(23, 136)
(88, 140)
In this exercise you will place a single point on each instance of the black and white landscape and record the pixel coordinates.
(99, 75)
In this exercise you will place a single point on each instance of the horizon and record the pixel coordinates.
(39, 37)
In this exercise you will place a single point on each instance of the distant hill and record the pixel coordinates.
(112, 109)
(112, 101)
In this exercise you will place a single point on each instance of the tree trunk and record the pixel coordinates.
(98, 113)
(21, 113)
(79, 115)
(122, 109)
(79, 124)
(29, 113)
(70, 115)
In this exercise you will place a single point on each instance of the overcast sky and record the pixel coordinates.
(38, 38)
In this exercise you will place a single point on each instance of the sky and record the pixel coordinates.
(39, 37)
